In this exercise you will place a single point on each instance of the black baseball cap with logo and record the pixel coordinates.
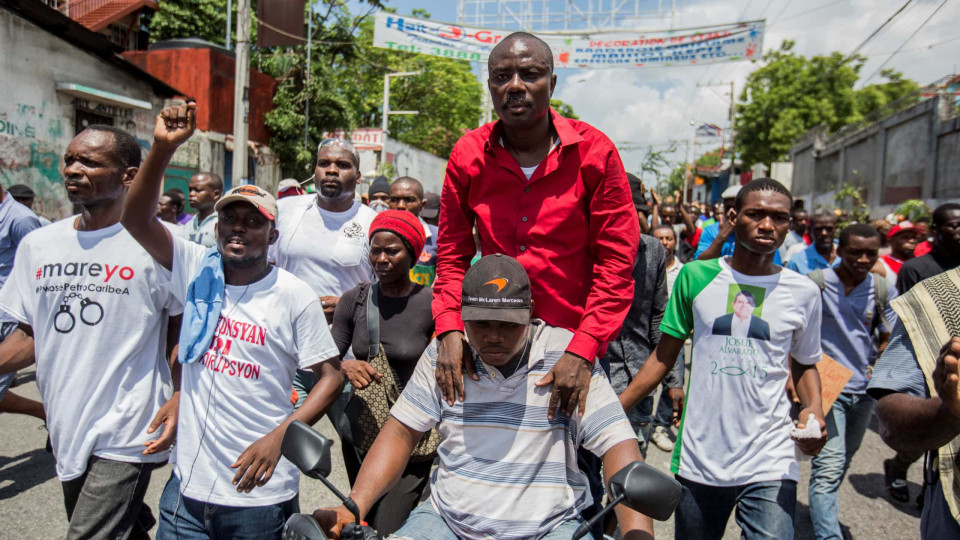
(496, 288)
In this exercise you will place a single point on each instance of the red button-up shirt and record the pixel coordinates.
(572, 226)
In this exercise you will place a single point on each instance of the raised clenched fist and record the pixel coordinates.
(176, 124)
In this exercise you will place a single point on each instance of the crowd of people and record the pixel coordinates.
(489, 356)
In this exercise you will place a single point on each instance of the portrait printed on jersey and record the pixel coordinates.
(743, 317)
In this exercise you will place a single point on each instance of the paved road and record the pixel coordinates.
(31, 504)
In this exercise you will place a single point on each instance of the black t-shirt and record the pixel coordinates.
(920, 268)
(406, 327)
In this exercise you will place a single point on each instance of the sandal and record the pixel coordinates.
(897, 487)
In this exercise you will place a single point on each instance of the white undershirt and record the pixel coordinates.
(528, 171)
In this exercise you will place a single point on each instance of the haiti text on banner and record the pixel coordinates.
(681, 47)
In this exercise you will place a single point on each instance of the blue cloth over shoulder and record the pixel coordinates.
(201, 310)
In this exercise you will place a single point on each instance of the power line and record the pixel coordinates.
(920, 48)
(745, 8)
(765, 8)
(818, 8)
(917, 30)
(780, 13)
(881, 27)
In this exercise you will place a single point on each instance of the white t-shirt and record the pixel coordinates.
(176, 229)
(672, 274)
(736, 423)
(328, 250)
(98, 305)
(240, 389)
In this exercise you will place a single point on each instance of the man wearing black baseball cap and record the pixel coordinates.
(247, 327)
(498, 430)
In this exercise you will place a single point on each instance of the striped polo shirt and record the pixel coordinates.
(505, 470)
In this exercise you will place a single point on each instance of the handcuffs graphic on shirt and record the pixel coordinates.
(91, 313)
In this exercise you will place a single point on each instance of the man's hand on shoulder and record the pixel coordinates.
(570, 377)
(946, 376)
(450, 365)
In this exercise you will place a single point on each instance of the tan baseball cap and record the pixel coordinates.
(264, 201)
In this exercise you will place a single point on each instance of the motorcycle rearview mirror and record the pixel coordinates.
(645, 490)
(307, 449)
(310, 452)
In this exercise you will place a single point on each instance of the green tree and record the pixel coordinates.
(564, 109)
(712, 158)
(345, 86)
(346, 90)
(654, 165)
(851, 201)
(792, 94)
(675, 180)
(447, 94)
(913, 209)
(205, 19)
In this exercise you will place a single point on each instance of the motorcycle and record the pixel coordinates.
(638, 486)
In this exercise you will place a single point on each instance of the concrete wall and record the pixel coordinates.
(948, 166)
(424, 166)
(914, 153)
(37, 122)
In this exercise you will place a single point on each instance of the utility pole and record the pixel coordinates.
(384, 122)
(229, 20)
(733, 140)
(241, 94)
(306, 113)
(732, 115)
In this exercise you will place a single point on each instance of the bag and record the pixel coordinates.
(366, 410)
(879, 296)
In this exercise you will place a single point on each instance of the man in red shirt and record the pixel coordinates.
(552, 193)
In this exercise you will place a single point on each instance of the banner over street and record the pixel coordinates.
(680, 47)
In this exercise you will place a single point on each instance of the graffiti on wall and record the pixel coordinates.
(34, 135)
(31, 143)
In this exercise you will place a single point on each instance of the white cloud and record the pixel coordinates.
(653, 106)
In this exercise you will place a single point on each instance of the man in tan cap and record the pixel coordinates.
(247, 327)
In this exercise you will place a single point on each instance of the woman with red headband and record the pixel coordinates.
(403, 327)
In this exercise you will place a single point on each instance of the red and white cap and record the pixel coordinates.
(903, 226)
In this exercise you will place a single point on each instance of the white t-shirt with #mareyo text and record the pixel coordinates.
(98, 305)
(328, 250)
(240, 389)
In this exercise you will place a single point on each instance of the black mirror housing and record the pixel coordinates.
(307, 449)
(645, 490)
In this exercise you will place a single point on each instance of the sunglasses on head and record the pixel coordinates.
(342, 143)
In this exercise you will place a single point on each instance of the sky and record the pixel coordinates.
(654, 106)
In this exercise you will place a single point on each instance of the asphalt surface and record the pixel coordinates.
(31, 502)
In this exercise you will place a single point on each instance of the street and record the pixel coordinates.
(31, 502)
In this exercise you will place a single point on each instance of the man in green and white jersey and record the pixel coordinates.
(753, 324)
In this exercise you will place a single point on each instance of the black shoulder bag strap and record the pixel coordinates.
(373, 321)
